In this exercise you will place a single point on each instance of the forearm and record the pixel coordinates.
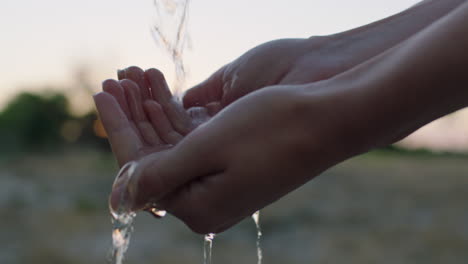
(412, 84)
(360, 44)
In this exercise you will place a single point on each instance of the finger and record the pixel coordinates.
(138, 76)
(176, 114)
(114, 88)
(161, 92)
(206, 92)
(138, 115)
(121, 75)
(193, 158)
(161, 124)
(124, 141)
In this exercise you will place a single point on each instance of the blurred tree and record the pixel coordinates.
(43, 122)
(33, 122)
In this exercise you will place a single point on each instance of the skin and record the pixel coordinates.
(141, 116)
(300, 61)
(273, 140)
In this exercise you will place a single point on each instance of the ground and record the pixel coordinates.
(377, 208)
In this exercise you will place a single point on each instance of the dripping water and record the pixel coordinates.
(122, 216)
(169, 31)
(122, 213)
(208, 248)
(256, 218)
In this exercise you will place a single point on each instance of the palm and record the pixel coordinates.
(140, 114)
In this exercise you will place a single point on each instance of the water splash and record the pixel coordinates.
(169, 30)
(122, 230)
(256, 218)
(122, 213)
(122, 216)
(208, 248)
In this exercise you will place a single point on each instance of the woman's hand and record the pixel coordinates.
(273, 140)
(249, 155)
(284, 61)
(141, 116)
(300, 61)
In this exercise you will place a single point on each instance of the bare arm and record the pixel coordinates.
(360, 44)
(299, 61)
(411, 84)
(274, 140)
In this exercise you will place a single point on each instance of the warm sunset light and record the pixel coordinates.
(286, 151)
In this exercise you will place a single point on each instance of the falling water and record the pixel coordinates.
(122, 229)
(122, 215)
(169, 31)
(256, 218)
(208, 248)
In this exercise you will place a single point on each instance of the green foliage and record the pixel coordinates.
(36, 122)
(393, 150)
(33, 121)
(86, 205)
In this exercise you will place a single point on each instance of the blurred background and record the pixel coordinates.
(403, 204)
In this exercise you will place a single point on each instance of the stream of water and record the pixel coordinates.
(169, 31)
(122, 216)
(256, 218)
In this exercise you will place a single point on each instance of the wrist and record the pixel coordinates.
(334, 115)
(358, 45)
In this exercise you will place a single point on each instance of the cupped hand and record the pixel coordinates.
(252, 153)
(284, 61)
(141, 116)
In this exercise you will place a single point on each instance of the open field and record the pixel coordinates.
(372, 209)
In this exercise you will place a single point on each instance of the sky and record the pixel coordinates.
(43, 43)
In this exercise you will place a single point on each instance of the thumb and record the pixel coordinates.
(210, 90)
